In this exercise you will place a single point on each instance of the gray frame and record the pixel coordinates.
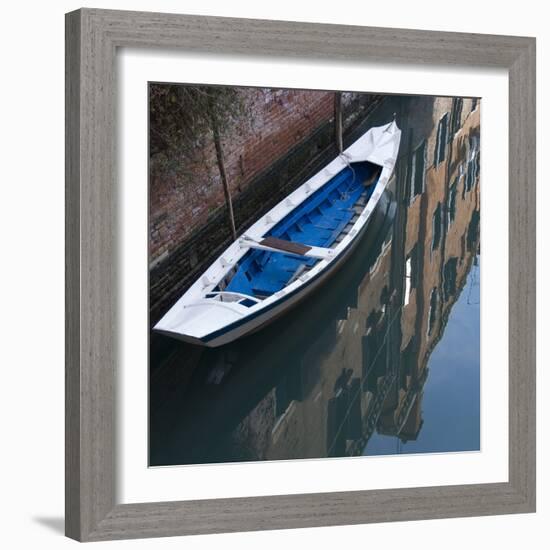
(92, 37)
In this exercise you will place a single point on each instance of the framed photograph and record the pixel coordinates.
(300, 282)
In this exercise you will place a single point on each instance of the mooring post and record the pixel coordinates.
(338, 121)
(223, 174)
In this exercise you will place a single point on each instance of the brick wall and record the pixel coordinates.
(274, 121)
(286, 138)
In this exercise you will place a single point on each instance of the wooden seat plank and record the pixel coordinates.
(287, 246)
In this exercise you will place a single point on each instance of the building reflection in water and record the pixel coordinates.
(352, 362)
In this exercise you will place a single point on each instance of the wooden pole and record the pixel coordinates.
(223, 173)
(338, 121)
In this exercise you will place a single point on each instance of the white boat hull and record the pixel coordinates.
(212, 316)
(252, 325)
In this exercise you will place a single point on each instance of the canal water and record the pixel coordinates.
(383, 359)
(451, 394)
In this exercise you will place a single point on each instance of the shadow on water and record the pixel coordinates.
(345, 373)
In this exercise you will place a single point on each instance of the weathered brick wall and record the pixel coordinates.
(289, 139)
(274, 121)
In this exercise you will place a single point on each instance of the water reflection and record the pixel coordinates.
(385, 352)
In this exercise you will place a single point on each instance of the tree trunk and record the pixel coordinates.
(338, 121)
(223, 174)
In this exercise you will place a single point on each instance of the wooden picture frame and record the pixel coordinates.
(92, 38)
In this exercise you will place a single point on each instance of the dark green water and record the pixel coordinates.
(383, 359)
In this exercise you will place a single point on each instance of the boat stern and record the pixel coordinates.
(201, 323)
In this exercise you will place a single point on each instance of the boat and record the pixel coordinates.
(291, 250)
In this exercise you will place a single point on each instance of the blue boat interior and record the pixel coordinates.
(321, 220)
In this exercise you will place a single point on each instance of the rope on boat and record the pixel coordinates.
(345, 194)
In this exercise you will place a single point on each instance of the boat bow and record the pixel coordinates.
(379, 145)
